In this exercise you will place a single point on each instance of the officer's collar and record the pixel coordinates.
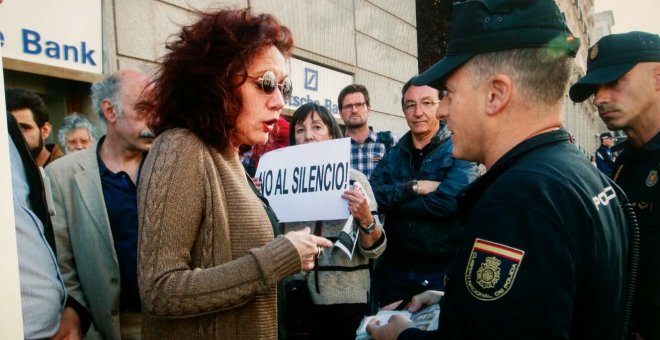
(651, 145)
(470, 194)
(440, 136)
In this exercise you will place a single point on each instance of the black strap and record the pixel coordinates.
(269, 211)
(318, 231)
(633, 261)
(385, 138)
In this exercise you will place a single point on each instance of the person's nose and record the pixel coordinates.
(309, 136)
(276, 101)
(442, 113)
(601, 95)
(418, 111)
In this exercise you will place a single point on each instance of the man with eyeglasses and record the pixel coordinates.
(415, 185)
(623, 81)
(367, 147)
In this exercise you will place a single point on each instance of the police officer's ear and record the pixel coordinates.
(656, 76)
(499, 93)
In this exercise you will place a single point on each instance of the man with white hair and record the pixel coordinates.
(95, 195)
(76, 133)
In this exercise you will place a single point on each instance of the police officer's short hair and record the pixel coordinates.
(541, 77)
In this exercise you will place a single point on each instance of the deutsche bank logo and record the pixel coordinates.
(311, 79)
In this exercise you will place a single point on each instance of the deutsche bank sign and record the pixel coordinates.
(65, 33)
(311, 79)
(314, 83)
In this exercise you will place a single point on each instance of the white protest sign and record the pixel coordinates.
(305, 182)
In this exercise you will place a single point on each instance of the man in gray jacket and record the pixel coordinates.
(95, 196)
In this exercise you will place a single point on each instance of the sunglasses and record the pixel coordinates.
(268, 84)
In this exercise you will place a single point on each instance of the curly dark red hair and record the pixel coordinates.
(197, 85)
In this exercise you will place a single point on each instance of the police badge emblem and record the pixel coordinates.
(491, 269)
(652, 178)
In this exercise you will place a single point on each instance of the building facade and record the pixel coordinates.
(337, 42)
(582, 119)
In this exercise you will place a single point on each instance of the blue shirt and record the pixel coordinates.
(42, 289)
(120, 195)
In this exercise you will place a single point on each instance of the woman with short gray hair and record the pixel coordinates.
(76, 133)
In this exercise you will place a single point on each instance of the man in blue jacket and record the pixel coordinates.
(415, 185)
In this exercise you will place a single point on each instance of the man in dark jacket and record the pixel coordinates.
(545, 247)
(415, 185)
(604, 157)
(623, 76)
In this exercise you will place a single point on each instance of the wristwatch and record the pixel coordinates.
(368, 229)
(414, 187)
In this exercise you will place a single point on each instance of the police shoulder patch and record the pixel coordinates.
(491, 269)
(652, 178)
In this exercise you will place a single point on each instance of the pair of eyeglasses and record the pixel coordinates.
(426, 105)
(268, 83)
(349, 107)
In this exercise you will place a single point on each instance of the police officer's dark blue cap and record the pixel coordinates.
(482, 26)
(606, 135)
(612, 57)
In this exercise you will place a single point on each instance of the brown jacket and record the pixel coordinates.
(207, 262)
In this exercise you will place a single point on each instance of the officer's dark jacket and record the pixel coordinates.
(422, 231)
(637, 172)
(545, 250)
(604, 160)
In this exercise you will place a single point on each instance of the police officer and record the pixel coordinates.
(604, 156)
(545, 249)
(623, 75)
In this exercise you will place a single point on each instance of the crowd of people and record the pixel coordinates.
(158, 230)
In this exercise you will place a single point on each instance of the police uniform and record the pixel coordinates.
(636, 172)
(542, 254)
(604, 159)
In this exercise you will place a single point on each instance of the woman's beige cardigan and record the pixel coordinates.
(207, 262)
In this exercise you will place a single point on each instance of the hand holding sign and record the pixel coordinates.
(358, 204)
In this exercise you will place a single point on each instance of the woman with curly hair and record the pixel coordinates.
(209, 261)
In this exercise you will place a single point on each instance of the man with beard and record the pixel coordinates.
(95, 195)
(32, 116)
(623, 76)
(367, 147)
